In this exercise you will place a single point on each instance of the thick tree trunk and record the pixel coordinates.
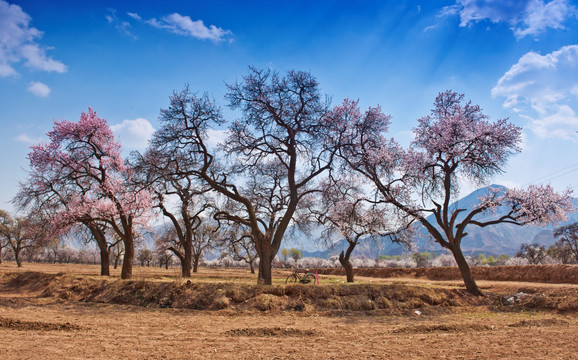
(185, 265)
(126, 272)
(187, 260)
(104, 262)
(344, 260)
(467, 276)
(265, 274)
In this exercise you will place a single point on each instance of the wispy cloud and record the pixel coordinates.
(121, 26)
(19, 43)
(28, 140)
(525, 17)
(134, 15)
(134, 134)
(543, 89)
(184, 25)
(38, 89)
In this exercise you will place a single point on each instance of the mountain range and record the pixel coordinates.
(491, 240)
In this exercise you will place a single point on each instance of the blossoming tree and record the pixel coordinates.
(82, 167)
(347, 213)
(454, 144)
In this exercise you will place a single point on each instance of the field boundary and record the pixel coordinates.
(553, 274)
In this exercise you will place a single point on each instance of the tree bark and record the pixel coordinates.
(100, 239)
(187, 260)
(17, 257)
(344, 260)
(104, 263)
(196, 262)
(265, 274)
(252, 267)
(126, 272)
(467, 276)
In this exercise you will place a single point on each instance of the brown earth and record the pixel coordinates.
(559, 274)
(69, 312)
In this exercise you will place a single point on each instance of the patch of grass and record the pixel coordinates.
(275, 331)
(35, 325)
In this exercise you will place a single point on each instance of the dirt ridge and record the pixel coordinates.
(299, 298)
(554, 274)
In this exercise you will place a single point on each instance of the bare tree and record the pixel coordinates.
(170, 177)
(534, 253)
(164, 257)
(568, 236)
(238, 243)
(561, 252)
(279, 141)
(144, 256)
(21, 234)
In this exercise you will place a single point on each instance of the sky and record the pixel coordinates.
(516, 59)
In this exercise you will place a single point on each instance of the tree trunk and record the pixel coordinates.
(100, 238)
(196, 262)
(344, 260)
(126, 272)
(187, 260)
(17, 257)
(104, 263)
(0, 253)
(252, 267)
(265, 275)
(467, 276)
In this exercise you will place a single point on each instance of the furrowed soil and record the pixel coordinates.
(70, 312)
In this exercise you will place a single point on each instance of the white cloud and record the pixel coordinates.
(184, 25)
(39, 89)
(29, 140)
(134, 15)
(216, 137)
(18, 43)
(134, 134)
(121, 26)
(543, 90)
(525, 17)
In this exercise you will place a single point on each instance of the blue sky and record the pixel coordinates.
(516, 59)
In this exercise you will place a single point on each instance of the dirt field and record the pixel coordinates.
(41, 317)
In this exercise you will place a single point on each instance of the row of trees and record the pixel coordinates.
(290, 161)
